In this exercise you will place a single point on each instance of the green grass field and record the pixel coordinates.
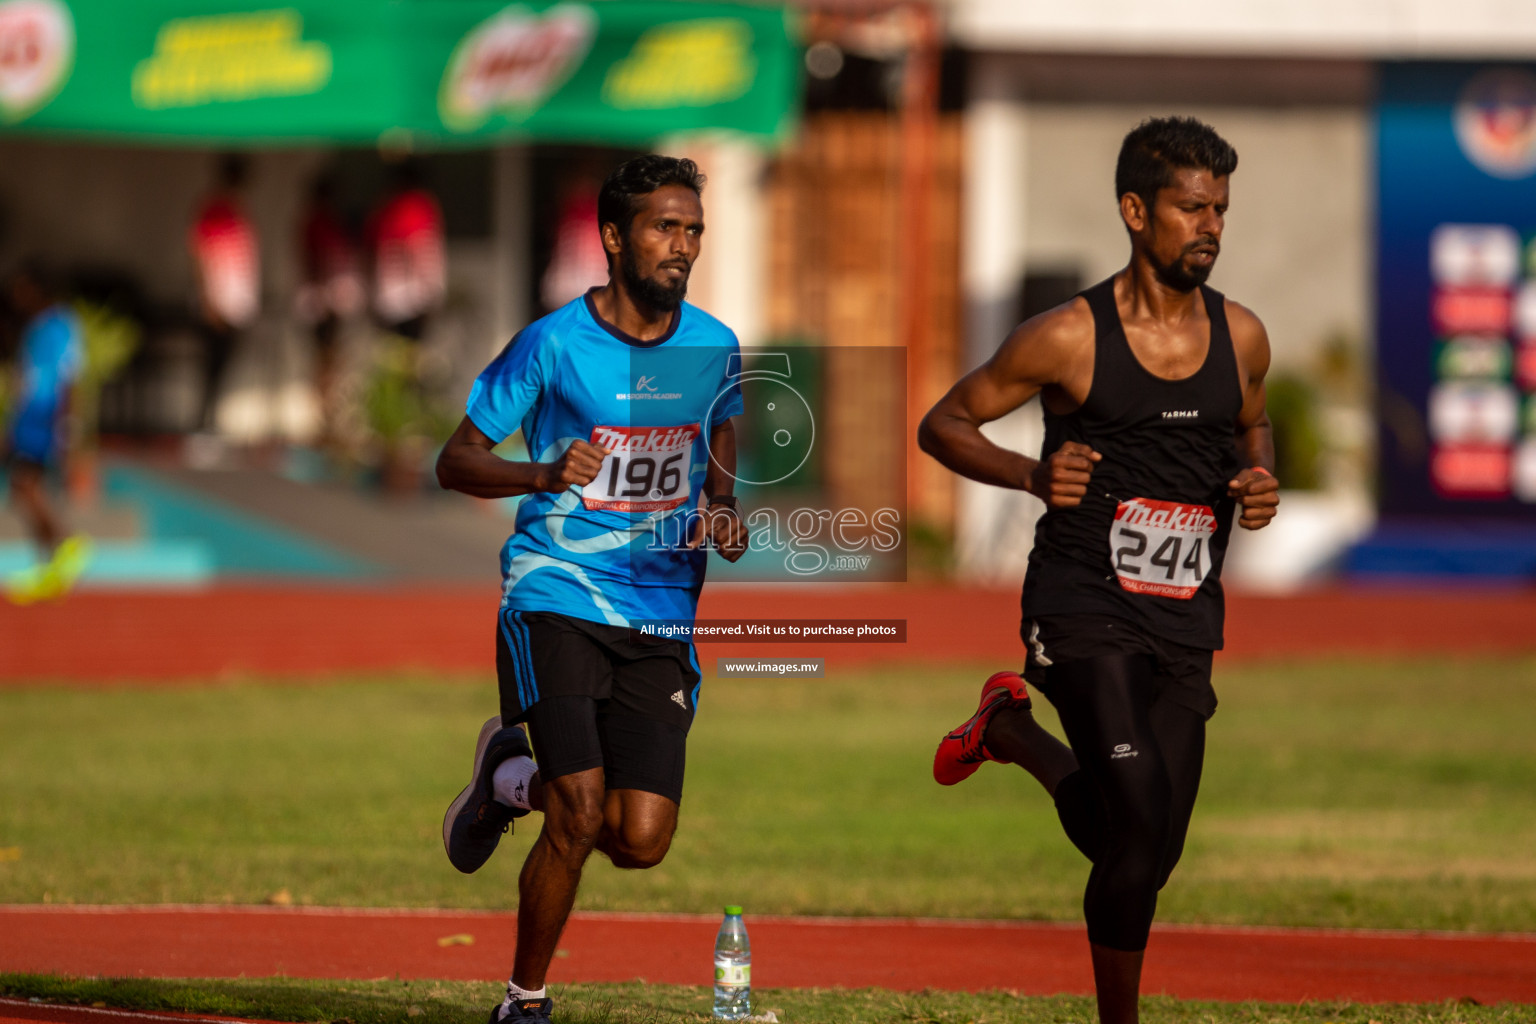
(450, 1002)
(1352, 794)
(1384, 795)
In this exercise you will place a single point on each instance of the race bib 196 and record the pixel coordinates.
(646, 469)
(1161, 547)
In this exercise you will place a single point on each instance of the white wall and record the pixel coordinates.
(994, 524)
(730, 277)
(1376, 28)
(1296, 247)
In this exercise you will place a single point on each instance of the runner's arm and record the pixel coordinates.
(725, 525)
(1037, 354)
(720, 477)
(1255, 487)
(467, 464)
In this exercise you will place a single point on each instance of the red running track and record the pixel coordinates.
(1278, 965)
(124, 637)
(153, 637)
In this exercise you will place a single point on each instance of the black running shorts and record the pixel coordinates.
(598, 696)
(1182, 673)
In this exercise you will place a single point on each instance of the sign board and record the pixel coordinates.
(1456, 290)
(427, 71)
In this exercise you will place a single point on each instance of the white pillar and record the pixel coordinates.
(994, 209)
(995, 526)
(729, 279)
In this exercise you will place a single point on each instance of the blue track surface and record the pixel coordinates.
(189, 540)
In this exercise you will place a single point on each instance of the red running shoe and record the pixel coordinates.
(961, 752)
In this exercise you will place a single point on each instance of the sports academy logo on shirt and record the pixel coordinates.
(646, 390)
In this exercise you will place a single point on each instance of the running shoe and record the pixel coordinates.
(962, 752)
(476, 820)
(51, 580)
(30, 585)
(523, 1011)
(69, 561)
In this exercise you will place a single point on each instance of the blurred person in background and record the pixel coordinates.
(406, 242)
(331, 290)
(49, 360)
(227, 259)
(578, 261)
(1156, 441)
(608, 706)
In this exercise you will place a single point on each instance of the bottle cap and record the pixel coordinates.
(733, 911)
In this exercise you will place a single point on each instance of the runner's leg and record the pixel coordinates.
(1014, 735)
(1081, 811)
(644, 734)
(30, 494)
(637, 827)
(539, 665)
(1105, 707)
(1117, 984)
(1181, 737)
(573, 819)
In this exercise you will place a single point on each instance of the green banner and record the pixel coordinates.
(434, 72)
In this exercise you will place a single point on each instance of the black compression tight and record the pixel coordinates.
(1128, 807)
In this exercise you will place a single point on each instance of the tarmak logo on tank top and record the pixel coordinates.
(1181, 414)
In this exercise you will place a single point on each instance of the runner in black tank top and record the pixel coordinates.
(1156, 442)
(1148, 540)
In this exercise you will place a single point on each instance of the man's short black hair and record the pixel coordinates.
(1159, 146)
(619, 200)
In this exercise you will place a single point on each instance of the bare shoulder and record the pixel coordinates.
(1249, 337)
(1246, 327)
(1049, 346)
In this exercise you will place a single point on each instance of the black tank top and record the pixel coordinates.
(1148, 540)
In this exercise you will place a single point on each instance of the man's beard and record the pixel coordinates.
(647, 291)
(1181, 278)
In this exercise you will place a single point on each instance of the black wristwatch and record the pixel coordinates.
(730, 501)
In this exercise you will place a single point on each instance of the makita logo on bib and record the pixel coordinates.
(1166, 515)
(645, 439)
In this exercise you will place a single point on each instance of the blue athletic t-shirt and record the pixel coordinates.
(51, 355)
(609, 552)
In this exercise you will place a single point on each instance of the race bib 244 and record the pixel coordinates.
(1161, 547)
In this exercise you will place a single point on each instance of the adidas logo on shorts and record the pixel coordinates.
(679, 700)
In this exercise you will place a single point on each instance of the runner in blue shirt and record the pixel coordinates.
(49, 360)
(624, 397)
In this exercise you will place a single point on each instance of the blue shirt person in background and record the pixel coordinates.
(624, 397)
(48, 362)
